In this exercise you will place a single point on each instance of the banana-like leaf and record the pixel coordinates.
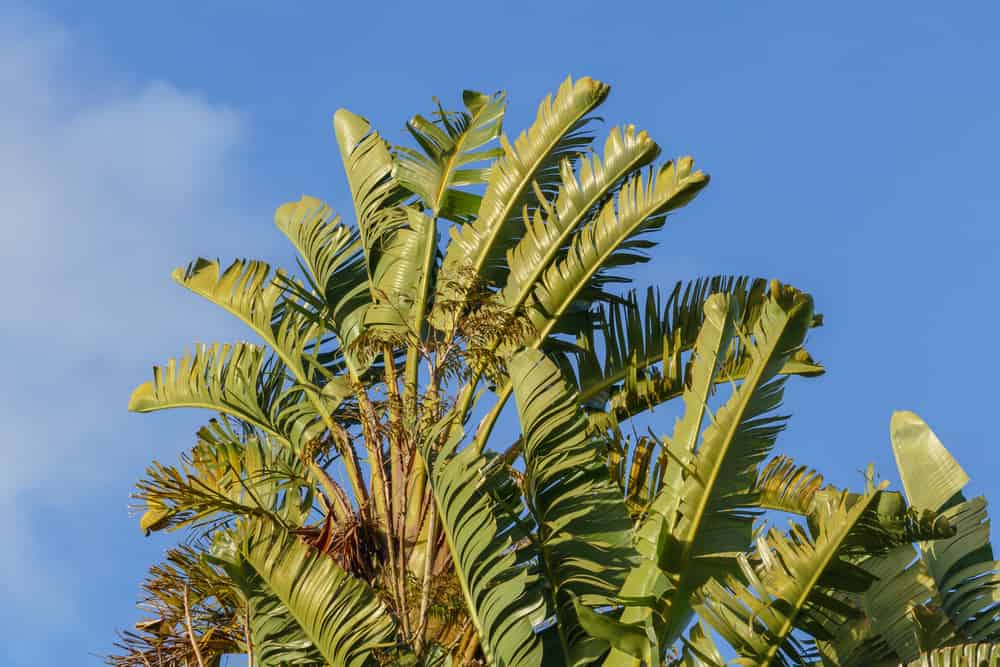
(240, 380)
(549, 229)
(703, 512)
(477, 250)
(613, 238)
(964, 655)
(885, 635)
(399, 268)
(226, 475)
(333, 256)
(249, 291)
(370, 173)
(237, 379)
(583, 527)
(452, 143)
(636, 336)
(339, 614)
(792, 583)
(392, 237)
(278, 639)
(784, 486)
(966, 576)
(501, 590)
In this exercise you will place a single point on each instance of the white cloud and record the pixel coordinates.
(104, 187)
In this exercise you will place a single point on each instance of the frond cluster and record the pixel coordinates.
(350, 505)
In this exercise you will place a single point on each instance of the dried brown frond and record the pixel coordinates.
(354, 544)
(162, 640)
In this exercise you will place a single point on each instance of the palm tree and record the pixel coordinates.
(350, 503)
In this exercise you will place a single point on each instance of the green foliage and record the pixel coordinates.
(342, 510)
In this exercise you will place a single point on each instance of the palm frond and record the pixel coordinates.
(333, 256)
(581, 518)
(239, 380)
(451, 144)
(548, 230)
(500, 589)
(476, 250)
(703, 513)
(392, 237)
(963, 568)
(964, 655)
(613, 238)
(371, 176)
(339, 615)
(637, 335)
(227, 475)
(791, 583)
(248, 290)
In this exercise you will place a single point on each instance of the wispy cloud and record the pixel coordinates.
(104, 185)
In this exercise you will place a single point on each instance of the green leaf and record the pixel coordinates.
(476, 250)
(547, 232)
(790, 584)
(966, 576)
(226, 475)
(370, 173)
(235, 379)
(247, 290)
(501, 591)
(239, 380)
(703, 512)
(965, 655)
(930, 475)
(451, 144)
(583, 527)
(333, 256)
(339, 614)
(642, 205)
(637, 336)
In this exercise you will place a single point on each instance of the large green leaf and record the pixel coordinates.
(277, 638)
(610, 239)
(885, 632)
(965, 574)
(638, 335)
(549, 229)
(477, 249)
(583, 527)
(392, 238)
(964, 655)
(333, 257)
(613, 238)
(370, 173)
(339, 614)
(248, 290)
(451, 145)
(240, 380)
(234, 379)
(792, 582)
(226, 475)
(703, 512)
(500, 589)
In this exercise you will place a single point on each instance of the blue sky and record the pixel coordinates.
(852, 151)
